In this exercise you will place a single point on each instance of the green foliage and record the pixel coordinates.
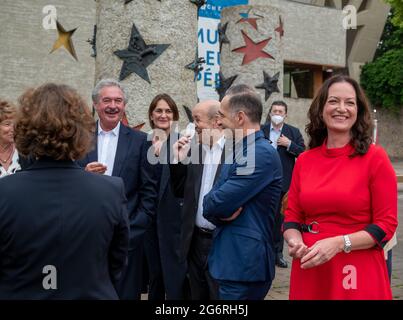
(382, 80)
(392, 37)
(397, 6)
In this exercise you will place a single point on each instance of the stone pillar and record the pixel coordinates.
(257, 27)
(158, 22)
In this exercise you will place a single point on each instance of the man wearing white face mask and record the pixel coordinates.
(289, 144)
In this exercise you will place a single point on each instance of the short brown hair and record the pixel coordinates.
(7, 110)
(361, 131)
(53, 121)
(171, 103)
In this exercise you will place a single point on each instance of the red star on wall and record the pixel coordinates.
(126, 123)
(253, 50)
(280, 28)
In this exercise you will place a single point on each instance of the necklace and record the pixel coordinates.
(4, 161)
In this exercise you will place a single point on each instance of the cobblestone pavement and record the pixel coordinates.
(280, 286)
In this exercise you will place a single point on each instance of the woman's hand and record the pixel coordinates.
(296, 248)
(322, 251)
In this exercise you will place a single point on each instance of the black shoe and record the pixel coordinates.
(280, 262)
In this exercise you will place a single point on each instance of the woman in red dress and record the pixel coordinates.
(342, 203)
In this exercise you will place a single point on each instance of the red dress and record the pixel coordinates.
(343, 195)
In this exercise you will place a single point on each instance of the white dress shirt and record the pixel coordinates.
(211, 161)
(107, 145)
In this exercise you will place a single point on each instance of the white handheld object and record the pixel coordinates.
(190, 130)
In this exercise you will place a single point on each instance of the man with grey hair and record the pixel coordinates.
(242, 203)
(192, 182)
(121, 151)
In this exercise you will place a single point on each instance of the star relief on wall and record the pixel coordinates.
(245, 17)
(270, 84)
(64, 40)
(253, 50)
(224, 84)
(199, 3)
(138, 56)
(280, 28)
(222, 36)
(196, 65)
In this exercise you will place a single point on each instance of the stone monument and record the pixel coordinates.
(147, 44)
(255, 50)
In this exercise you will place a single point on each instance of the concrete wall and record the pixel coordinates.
(390, 133)
(25, 46)
(313, 35)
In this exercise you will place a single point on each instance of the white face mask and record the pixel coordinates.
(276, 119)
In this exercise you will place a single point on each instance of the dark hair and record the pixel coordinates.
(362, 129)
(171, 103)
(53, 121)
(279, 103)
(239, 88)
(248, 102)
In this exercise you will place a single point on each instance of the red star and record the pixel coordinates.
(280, 28)
(253, 50)
(251, 21)
(126, 123)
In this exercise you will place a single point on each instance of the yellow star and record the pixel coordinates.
(64, 40)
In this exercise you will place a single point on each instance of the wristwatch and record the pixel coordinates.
(347, 244)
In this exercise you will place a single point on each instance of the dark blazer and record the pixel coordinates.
(54, 213)
(186, 183)
(288, 157)
(138, 176)
(242, 249)
(140, 183)
(167, 231)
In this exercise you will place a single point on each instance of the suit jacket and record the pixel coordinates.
(186, 183)
(138, 176)
(288, 157)
(168, 230)
(54, 213)
(242, 249)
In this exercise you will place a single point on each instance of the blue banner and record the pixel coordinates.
(209, 47)
(212, 9)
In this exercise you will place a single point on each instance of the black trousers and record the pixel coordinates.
(277, 234)
(130, 283)
(156, 288)
(202, 285)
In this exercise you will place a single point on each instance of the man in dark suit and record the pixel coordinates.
(288, 142)
(242, 204)
(192, 182)
(121, 151)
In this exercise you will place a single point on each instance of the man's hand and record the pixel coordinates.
(297, 248)
(283, 141)
(181, 148)
(96, 167)
(322, 251)
(233, 216)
